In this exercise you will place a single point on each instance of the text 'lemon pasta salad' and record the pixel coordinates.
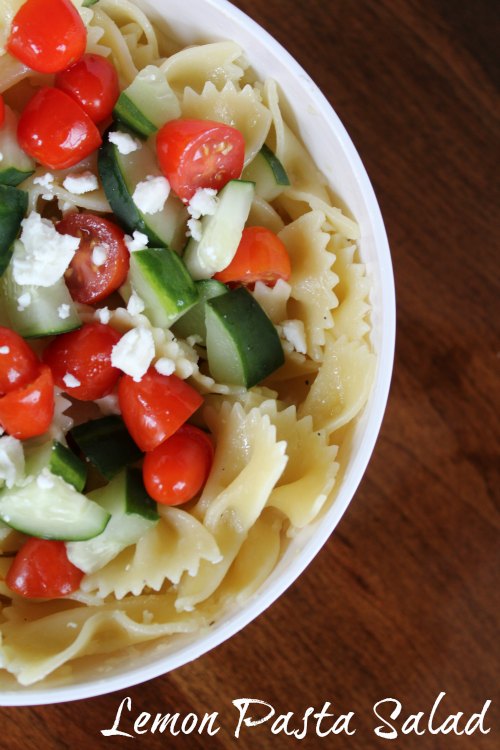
(183, 334)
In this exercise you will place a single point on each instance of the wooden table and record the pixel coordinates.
(403, 601)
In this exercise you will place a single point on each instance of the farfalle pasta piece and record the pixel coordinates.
(240, 108)
(342, 385)
(219, 63)
(350, 317)
(177, 544)
(312, 279)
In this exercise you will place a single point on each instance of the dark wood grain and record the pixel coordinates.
(403, 601)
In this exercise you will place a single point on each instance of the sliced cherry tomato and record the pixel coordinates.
(261, 256)
(47, 35)
(177, 469)
(199, 154)
(41, 569)
(19, 364)
(2, 111)
(156, 406)
(28, 411)
(93, 83)
(81, 361)
(93, 273)
(55, 130)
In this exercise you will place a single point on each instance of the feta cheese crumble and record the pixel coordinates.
(100, 255)
(203, 203)
(63, 311)
(135, 304)
(79, 183)
(165, 366)
(124, 142)
(294, 333)
(103, 315)
(70, 381)
(138, 241)
(44, 480)
(194, 229)
(11, 460)
(45, 180)
(134, 352)
(150, 194)
(23, 301)
(43, 255)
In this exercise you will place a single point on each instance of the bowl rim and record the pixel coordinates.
(252, 609)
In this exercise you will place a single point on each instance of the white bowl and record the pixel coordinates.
(331, 148)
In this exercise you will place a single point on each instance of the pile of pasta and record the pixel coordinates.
(275, 464)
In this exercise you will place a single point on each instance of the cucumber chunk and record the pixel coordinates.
(50, 508)
(148, 102)
(107, 444)
(59, 460)
(268, 173)
(243, 346)
(13, 207)
(120, 174)
(221, 232)
(133, 513)
(42, 314)
(162, 281)
(193, 322)
(15, 165)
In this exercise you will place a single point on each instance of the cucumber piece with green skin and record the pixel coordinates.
(15, 165)
(268, 173)
(106, 443)
(120, 175)
(41, 316)
(13, 207)
(193, 322)
(89, 3)
(133, 513)
(220, 232)
(162, 281)
(49, 508)
(147, 103)
(59, 460)
(243, 346)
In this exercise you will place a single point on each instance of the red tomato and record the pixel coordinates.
(93, 83)
(86, 281)
(199, 154)
(41, 569)
(261, 256)
(2, 111)
(28, 411)
(177, 469)
(47, 35)
(156, 406)
(86, 355)
(55, 130)
(19, 364)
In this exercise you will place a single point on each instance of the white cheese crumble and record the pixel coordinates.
(203, 203)
(138, 241)
(70, 381)
(100, 255)
(23, 301)
(44, 480)
(103, 315)
(124, 142)
(165, 366)
(11, 460)
(150, 195)
(135, 304)
(134, 352)
(45, 180)
(63, 311)
(294, 333)
(194, 229)
(43, 255)
(4, 349)
(79, 183)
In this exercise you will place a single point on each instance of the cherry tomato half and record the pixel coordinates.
(177, 469)
(19, 364)
(156, 406)
(28, 411)
(81, 361)
(2, 111)
(55, 130)
(101, 263)
(261, 256)
(199, 154)
(41, 569)
(93, 83)
(47, 35)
